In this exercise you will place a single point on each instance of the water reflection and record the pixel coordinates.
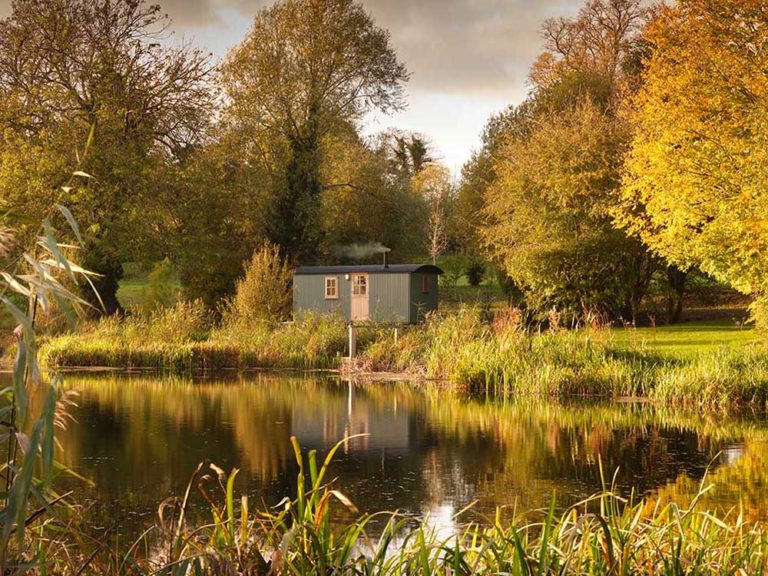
(426, 452)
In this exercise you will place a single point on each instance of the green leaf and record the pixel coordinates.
(71, 221)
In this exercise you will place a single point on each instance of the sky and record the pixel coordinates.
(468, 58)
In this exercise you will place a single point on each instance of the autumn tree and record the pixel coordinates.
(372, 201)
(96, 75)
(477, 176)
(548, 177)
(597, 42)
(304, 66)
(697, 172)
(549, 215)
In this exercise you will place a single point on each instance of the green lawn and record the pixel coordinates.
(690, 338)
(133, 289)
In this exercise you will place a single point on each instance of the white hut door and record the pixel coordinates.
(359, 296)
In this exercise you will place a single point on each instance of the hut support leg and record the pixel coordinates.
(352, 341)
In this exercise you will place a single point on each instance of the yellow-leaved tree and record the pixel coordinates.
(696, 183)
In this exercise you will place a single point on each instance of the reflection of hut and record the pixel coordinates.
(386, 425)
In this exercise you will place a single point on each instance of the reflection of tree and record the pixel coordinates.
(176, 423)
(739, 481)
(139, 438)
(537, 448)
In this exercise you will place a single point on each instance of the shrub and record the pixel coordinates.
(475, 272)
(264, 292)
(182, 322)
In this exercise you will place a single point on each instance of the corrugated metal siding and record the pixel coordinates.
(309, 296)
(389, 297)
(392, 297)
(422, 303)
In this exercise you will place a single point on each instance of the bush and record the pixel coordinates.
(183, 322)
(475, 272)
(264, 292)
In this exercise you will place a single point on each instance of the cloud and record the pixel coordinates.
(468, 58)
(462, 46)
(455, 46)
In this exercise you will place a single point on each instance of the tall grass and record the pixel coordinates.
(31, 408)
(184, 339)
(319, 531)
(504, 359)
(462, 347)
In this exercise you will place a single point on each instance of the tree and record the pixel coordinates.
(218, 218)
(549, 215)
(597, 42)
(479, 173)
(697, 172)
(547, 177)
(411, 152)
(304, 66)
(93, 75)
(372, 201)
(433, 183)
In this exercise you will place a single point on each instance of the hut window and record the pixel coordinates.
(331, 288)
(359, 285)
(425, 284)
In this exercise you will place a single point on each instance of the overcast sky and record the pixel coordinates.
(468, 58)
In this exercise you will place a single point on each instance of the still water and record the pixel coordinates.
(427, 452)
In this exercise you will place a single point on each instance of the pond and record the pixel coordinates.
(429, 452)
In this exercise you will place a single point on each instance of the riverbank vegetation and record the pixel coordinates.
(726, 371)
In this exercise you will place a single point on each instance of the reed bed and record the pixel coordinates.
(463, 348)
(318, 531)
(183, 339)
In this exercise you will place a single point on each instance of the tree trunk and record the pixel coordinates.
(640, 278)
(102, 259)
(675, 291)
(296, 225)
(106, 286)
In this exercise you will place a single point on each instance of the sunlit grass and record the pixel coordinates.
(690, 338)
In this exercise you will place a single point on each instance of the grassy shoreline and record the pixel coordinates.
(462, 348)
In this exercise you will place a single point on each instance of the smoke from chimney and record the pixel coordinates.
(360, 251)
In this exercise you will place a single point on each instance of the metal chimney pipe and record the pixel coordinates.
(386, 263)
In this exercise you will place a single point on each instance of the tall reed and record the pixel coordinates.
(462, 348)
(319, 531)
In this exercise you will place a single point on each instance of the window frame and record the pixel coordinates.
(425, 284)
(356, 285)
(335, 284)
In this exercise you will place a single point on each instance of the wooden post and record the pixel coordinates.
(395, 335)
(352, 341)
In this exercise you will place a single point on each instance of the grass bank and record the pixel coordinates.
(729, 371)
(183, 339)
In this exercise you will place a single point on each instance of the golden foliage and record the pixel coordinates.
(695, 185)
